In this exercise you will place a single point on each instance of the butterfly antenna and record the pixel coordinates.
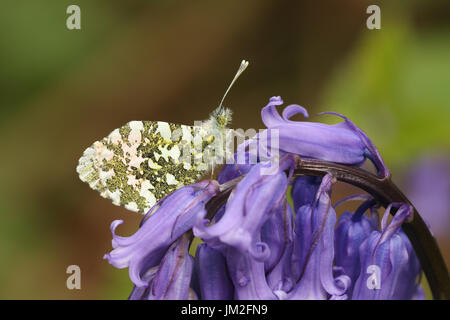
(242, 67)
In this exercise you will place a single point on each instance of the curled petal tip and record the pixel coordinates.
(292, 110)
(260, 252)
(371, 151)
(276, 100)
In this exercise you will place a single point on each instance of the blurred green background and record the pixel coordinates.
(62, 89)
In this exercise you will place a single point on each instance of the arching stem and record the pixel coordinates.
(385, 192)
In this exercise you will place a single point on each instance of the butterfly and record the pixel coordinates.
(139, 163)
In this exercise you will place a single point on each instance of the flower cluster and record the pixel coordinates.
(277, 235)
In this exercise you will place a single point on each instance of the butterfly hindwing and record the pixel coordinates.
(141, 162)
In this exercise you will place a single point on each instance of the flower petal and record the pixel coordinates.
(389, 267)
(211, 270)
(337, 143)
(176, 215)
(313, 248)
(173, 278)
(248, 276)
(251, 203)
(372, 153)
(352, 230)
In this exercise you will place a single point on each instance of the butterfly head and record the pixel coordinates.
(221, 117)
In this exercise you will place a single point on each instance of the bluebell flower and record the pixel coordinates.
(342, 143)
(251, 203)
(256, 201)
(352, 229)
(212, 280)
(389, 266)
(248, 276)
(314, 246)
(165, 223)
(171, 279)
(278, 233)
(257, 244)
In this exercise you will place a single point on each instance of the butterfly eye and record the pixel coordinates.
(222, 121)
(210, 139)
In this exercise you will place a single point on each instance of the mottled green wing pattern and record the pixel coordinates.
(139, 163)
